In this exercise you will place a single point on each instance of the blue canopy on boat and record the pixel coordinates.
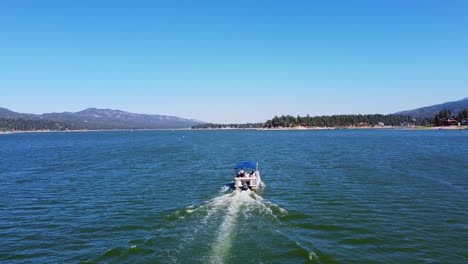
(246, 164)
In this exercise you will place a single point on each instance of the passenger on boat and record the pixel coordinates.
(245, 185)
(241, 174)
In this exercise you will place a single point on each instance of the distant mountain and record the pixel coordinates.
(6, 113)
(430, 111)
(93, 118)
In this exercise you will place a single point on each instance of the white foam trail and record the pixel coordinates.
(222, 245)
(246, 200)
(229, 206)
(210, 207)
(224, 189)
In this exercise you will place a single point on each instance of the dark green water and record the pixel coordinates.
(340, 196)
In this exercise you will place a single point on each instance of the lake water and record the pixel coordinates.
(335, 196)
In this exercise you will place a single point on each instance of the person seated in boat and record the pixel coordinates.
(251, 175)
(241, 174)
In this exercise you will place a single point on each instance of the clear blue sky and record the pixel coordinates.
(232, 61)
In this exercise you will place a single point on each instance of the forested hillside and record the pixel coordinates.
(11, 124)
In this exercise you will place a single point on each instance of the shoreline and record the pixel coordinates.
(417, 128)
(86, 130)
(369, 127)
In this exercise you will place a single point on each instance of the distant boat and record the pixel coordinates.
(245, 180)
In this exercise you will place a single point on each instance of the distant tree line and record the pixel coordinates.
(20, 124)
(463, 114)
(339, 121)
(218, 126)
(10, 124)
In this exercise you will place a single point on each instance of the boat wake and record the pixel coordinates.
(231, 227)
(235, 226)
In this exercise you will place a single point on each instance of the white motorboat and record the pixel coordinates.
(247, 176)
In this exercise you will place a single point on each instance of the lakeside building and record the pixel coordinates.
(447, 121)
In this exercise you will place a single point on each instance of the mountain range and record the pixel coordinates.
(94, 118)
(430, 111)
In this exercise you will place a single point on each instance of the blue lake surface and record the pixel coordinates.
(335, 196)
